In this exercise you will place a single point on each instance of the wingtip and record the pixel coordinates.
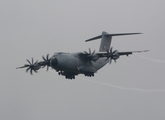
(139, 33)
(141, 51)
(146, 50)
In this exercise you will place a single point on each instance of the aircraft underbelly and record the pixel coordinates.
(100, 63)
(94, 67)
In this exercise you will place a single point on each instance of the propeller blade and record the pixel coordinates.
(93, 53)
(47, 68)
(110, 61)
(36, 62)
(32, 61)
(107, 51)
(95, 58)
(28, 61)
(31, 72)
(47, 57)
(89, 51)
(114, 52)
(35, 71)
(111, 50)
(27, 69)
(43, 58)
(23, 66)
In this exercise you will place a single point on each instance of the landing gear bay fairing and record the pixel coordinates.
(87, 63)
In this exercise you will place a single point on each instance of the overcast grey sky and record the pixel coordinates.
(132, 89)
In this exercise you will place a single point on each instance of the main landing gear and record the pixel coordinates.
(70, 77)
(67, 76)
(89, 74)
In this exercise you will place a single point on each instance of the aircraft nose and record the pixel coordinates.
(54, 62)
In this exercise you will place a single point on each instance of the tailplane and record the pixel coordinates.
(106, 39)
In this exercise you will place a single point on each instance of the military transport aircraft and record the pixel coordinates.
(87, 63)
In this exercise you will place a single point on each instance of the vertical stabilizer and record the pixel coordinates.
(105, 42)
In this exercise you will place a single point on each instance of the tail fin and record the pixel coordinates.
(106, 40)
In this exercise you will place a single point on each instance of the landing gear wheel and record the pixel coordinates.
(70, 77)
(89, 74)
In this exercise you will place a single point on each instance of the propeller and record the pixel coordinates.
(91, 56)
(31, 66)
(46, 61)
(112, 55)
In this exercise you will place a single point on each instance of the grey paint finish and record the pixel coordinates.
(33, 28)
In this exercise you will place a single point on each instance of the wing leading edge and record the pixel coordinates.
(100, 55)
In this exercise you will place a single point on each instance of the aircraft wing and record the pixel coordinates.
(128, 53)
(120, 53)
(88, 57)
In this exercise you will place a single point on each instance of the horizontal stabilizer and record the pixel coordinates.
(94, 38)
(119, 34)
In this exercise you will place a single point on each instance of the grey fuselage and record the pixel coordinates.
(72, 63)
